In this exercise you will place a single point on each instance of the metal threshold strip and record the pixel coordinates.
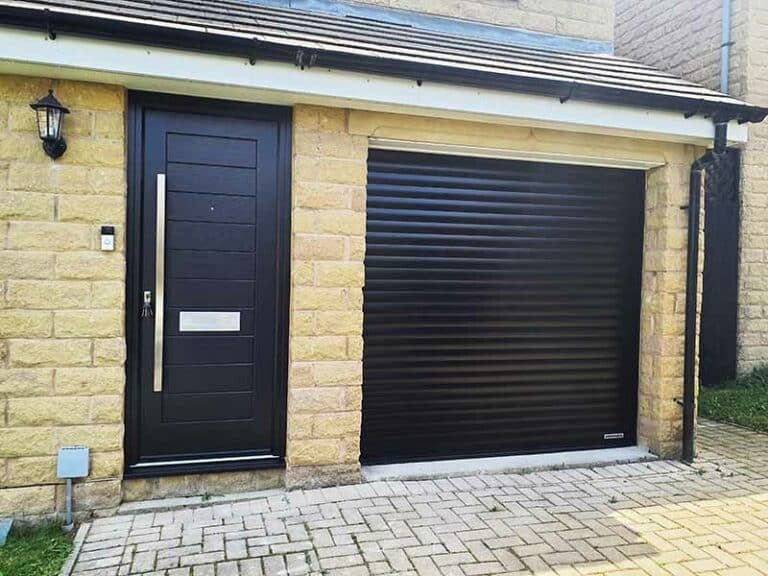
(507, 464)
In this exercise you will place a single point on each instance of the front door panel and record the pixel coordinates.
(210, 257)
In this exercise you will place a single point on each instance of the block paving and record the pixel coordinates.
(653, 518)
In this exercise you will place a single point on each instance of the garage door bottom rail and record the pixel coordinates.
(507, 464)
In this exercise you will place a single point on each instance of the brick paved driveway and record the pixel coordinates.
(646, 519)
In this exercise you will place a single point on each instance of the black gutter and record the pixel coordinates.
(706, 163)
(210, 42)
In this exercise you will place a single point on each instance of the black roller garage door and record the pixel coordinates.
(501, 307)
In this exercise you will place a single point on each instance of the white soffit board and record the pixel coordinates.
(507, 154)
(200, 74)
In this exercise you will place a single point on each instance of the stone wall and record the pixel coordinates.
(589, 19)
(684, 38)
(750, 69)
(681, 37)
(325, 383)
(61, 320)
(662, 322)
(61, 299)
(326, 345)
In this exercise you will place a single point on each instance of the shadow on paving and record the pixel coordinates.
(646, 519)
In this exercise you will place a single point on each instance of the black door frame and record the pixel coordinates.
(137, 103)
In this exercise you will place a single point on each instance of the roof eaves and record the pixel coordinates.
(232, 42)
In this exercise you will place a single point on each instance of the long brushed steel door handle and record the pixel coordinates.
(157, 384)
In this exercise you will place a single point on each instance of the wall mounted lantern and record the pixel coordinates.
(49, 115)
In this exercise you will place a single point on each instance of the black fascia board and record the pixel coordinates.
(253, 49)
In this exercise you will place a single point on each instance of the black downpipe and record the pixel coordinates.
(708, 162)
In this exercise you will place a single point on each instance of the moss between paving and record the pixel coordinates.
(35, 552)
(743, 401)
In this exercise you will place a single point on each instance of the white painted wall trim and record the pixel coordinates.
(481, 152)
(201, 74)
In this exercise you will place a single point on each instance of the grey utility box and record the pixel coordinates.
(72, 462)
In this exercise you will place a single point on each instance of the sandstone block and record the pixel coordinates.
(44, 411)
(22, 147)
(317, 400)
(302, 273)
(26, 501)
(98, 437)
(15, 264)
(314, 298)
(22, 89)
(357, 248)
(89, 381)
(320, 476)
(24, 324)
(106, 465)
(318, 348)
(300, 375)
(109, 352)
(339, 222)
(89, 265)
(91, 180)
(302, 323)
(355, 347)
(26, 206)
(315, 194)
(107, 409)
(108, 294)
(53, 236)
(36, 176)
(78, 123)
(31, 471)
(87, 323)
(91, 209)
(339, 323)
(313, 452)
(98, 495)
(109, 124)
(300, 425)
(353, 398)
(346, 373)
(50, 352)
(350, 449)
(48, 295)
(90, 96)
(316, 247)
(25, 382)
(337, 425)
(347, 274)
(319, 119)
(15, 442)
(94, 151)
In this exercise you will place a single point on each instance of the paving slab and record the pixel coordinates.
(646, 518)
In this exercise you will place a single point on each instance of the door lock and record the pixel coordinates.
(146, 306)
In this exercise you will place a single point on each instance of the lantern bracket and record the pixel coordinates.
(55, 148)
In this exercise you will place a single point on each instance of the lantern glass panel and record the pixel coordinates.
(54, 124)
(42, 122)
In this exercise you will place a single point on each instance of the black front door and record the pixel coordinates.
(211, 209)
